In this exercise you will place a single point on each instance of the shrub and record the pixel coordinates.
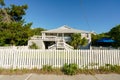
(33, 46)
(114, 68)
(70, 69)
(47, 68)
(110, 68)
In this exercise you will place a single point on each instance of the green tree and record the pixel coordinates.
(14, 33)
(2, 3)
(77, 40)
(115, 34)
(4, 16)
(17, 12)
(13, 29)
(96, 37)
(37, 31)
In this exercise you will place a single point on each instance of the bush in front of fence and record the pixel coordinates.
(47, 68)
(109, 68)
(70, 69)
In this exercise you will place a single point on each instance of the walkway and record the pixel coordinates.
(61, 77)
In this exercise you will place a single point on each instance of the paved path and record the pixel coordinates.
(61, 77)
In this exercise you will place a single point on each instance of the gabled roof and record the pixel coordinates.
(65, 29)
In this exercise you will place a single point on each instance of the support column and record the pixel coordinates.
(43, 35)
(62, 35)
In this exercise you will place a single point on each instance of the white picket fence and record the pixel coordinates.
(14, 58)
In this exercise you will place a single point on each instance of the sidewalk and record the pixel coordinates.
(61, 77)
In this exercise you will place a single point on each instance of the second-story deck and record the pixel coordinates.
(50, 38)
(47, 38)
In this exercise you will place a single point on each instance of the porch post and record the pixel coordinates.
(43, 35)
(63, 35)
(57, 34)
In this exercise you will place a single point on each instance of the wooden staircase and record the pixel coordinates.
(60, 45)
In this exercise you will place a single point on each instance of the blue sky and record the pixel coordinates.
(91, 15)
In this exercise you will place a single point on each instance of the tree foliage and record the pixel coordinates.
(17, 12)
(96, 37)
(2, 3)
(37, 31)
(77, 40)
(14, 33)
(13, 29)
(115, 34)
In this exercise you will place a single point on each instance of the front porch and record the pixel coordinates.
(54, 42)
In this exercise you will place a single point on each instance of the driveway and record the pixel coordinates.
(61, 77)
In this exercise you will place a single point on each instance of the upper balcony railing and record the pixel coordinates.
(45, 38)
(50, 38)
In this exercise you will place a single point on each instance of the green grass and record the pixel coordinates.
(67, 69)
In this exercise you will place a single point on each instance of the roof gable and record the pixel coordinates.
(65, 29)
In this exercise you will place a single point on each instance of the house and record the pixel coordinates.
(58, 38)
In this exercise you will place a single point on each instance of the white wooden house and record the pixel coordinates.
(57, 38)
